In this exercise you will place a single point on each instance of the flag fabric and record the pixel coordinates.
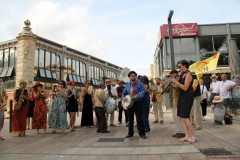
(206, 65)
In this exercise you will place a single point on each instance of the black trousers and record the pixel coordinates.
(204, 107)
(101, 119)
(121, 109)
(137, 109)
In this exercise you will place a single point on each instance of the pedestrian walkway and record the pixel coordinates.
(87, 144)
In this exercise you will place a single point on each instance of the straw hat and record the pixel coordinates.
(22, 81)
(108, 80)
(158, 78)
(121, 81)
(217, 99)
(214, 75)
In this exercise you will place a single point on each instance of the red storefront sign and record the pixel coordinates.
(181, 29)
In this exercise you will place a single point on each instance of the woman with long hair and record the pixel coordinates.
(20, 111)
(185, 102)
(58, 117)
(30, 107)
(72, 104)
(204, 94)
(2, 108)
(40, 109)
(87, 101)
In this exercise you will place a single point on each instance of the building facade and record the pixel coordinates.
(194, 42)
(35, 58)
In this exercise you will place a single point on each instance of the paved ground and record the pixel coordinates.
(82, 144)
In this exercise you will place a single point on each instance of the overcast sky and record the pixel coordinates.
(122, 32)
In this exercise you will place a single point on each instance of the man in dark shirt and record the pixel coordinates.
(134, 89)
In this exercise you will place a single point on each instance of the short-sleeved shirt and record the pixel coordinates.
(203, 90)
(215, 86)
(224, 93)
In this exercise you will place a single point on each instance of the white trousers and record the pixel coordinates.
(111, 117)
(176, 121)
(158, 111)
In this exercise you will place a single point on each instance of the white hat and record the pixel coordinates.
(217, 99)
(214, 75)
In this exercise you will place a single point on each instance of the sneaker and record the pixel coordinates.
(181, 135)
(161, 122)
(175, 135)
(155, 121)
(119, 122)
(112, 125)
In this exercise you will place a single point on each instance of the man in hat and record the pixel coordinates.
(157, 99)
(120, 89)
(110, 91)
(214, 87)
(135, 89)
(173, 99)
(100, 98)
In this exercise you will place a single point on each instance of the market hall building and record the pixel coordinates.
(194, 42)
(35, 58)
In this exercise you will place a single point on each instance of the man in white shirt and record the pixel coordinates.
(214, 87)
(110, 91)
(225, 87)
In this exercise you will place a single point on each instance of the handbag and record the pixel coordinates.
(201, 95)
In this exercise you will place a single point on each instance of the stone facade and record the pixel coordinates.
(25, 59)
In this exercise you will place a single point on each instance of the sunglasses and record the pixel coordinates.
(179, 66)
(60, 83)
(88, 83)
(213, 77)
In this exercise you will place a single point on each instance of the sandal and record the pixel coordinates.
(185, 139)
(63, 132)
(193, 140)
(53, 131)
(2, 138)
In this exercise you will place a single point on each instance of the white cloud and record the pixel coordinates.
(67, 25)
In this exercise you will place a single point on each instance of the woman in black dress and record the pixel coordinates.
(31, 103)
(87, 110)
(185, 102)
(72, 104)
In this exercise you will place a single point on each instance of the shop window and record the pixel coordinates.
(6, 57)
(9, 72)
(53, 63)
(73, 66)
(42, 73)
(70, 78)
(54, 75)
(74, 78)
(77, 68)
(48, 73)
(1, 58)
(4, 71)
(205, 44)
(82, 79)
(220, 43)
(237, 37)
(79, 79)
(69, 66)
(47, 60)
(11, 59)
(36, 58)
(41, 58)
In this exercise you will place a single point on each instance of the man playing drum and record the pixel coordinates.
(132, 89)
(111, 92)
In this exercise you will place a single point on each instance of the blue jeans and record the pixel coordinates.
(212, 96)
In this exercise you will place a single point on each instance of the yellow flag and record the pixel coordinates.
(206, 65)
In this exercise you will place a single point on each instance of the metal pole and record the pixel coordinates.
(10, 116)
(171, 38)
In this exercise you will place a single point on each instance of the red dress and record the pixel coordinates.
(19, 117)
(40, 113)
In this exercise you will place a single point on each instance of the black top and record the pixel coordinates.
(18, 93)
(198, 91)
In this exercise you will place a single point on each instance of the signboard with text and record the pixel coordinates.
(179, 30)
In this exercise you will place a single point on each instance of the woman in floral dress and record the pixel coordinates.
(40, 109)
(58, 117)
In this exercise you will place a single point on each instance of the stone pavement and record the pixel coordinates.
(83, 143)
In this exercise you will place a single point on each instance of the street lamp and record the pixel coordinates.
(171, 38)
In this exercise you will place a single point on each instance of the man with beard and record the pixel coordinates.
(134, 89)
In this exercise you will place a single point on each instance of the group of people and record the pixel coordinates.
(188, 101)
